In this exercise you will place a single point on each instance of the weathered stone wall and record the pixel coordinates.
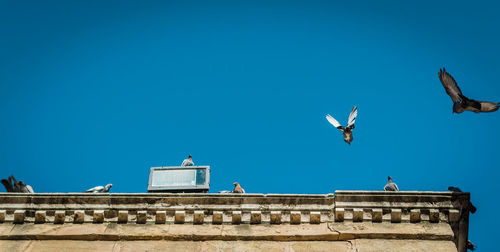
(350, 221)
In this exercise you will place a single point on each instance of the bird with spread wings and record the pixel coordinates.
(460, 102)
(346, 131)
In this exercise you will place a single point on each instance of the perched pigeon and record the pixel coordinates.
(237, 188)
(454, 189)
(17, 186)
(347, 131)
(460, 102)
(25, 188)
(188, 161)
(224, 192)
(470, 245)
(391, 186)
(472, 208)
(100, 189)
(8, 185)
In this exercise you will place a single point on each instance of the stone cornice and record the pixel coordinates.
(409, 206)
(280, 217)
(198, 208)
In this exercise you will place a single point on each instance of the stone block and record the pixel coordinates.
(295, 217)
(255, 217)
(19, 216)
(141, 217)
(98, 216)
(217, 217)
(315, 218)
(198, 217)
(396, 215)
(339, 214)
(415, 215)
(236, 217)
(161, 217)
(357, 215)
(275, 217)
(2, 216)
(454, 215)
(79, 217)
(40, 216)
(377, 214)
(434, 215)
(122, 216)
(59, 217)
(180, 217)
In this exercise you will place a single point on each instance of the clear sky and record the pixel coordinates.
(97, 92)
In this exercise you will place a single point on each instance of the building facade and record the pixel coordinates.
(344, 221)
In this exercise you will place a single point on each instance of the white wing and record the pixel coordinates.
(352, 116)
(95, 189)
(332, 121)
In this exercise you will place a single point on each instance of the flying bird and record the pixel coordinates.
(100, 189)
(460, 102)
(238, 188)
(346, 131)
(390, 186)
(472, 208)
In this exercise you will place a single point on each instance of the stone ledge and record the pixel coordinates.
(405, 206)
(181, 246)
(172, 208)
(244, 232)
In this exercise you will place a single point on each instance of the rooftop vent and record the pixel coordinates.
(179, 179)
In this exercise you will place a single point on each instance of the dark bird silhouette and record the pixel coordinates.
(346, 131)
(460, 102)
(471, 207)
(238, 188)
(390, 186)
(17, 186)
(8, 185)
(454, 189)
(470, 245)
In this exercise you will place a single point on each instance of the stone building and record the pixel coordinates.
(344, 221)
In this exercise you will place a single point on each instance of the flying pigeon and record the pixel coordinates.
(460, 102)
(237, 188)
(472, 208)
(100, 189)
(347, 131)
(470, 245)
(390, 186)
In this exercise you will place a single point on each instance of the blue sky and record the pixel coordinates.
(96, 92)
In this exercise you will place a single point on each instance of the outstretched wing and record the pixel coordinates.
(450, 85)
(487, 106)
(352, 117)
(7, 185)
(333, 122)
